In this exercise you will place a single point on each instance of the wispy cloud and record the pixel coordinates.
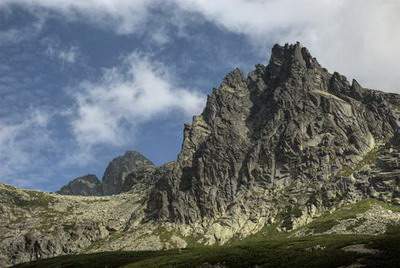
(67, 55)
(364, 47)
(109, 111)
(123, 15)
(22, 145)
(18, 34)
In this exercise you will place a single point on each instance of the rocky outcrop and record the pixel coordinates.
(114, 178)
(36, 225)
(88, 185)
(120, 176)
(280, 144)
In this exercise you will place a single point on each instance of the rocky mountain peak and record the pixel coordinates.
(290, 58)
(119, 168)
(88, 185)
(120, 175)
(288, 124)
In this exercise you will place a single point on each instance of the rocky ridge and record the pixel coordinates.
(88, 185)
(115, 176)
(279, 147)
(285, 143)
(120, 175)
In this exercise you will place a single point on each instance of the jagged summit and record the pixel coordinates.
(292, 54)
(290, 122)
(118, 169)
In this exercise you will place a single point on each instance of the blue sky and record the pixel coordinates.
(83, 81)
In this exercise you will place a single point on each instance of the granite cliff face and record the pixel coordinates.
(278, 147)
(287, 138)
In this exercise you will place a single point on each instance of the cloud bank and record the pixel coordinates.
(107, 112)
(358, 38)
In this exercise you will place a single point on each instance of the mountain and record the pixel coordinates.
(120, 175)
(285, 143)
(116, 172)
(290, 150)
(88, 185)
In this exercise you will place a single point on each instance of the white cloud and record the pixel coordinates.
(107, 112)
(22, 144)
(67, 55)
(359, 38)
(356, 37)
(124, 15)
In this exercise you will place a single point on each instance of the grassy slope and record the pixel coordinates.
(266, 249)
(265, 253)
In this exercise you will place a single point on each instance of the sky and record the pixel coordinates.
(81, 82)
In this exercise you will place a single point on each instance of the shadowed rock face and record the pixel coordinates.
(88, 185)
(114, 179)
(289, 128)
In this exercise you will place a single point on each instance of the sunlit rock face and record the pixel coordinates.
(285, 140)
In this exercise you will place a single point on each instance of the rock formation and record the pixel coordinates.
(120, 175)
(290, 131)
(88, 185)
(114, 178)
(118, 169)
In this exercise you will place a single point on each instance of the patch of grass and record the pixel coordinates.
(368, 159)
(164, 234)
(36, 199)
(323, 226)
(329, 220)
(288, 214)
(192, 241)
(268, 232)
(97, 260)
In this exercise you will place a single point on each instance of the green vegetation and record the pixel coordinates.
(314, 251)
(104, 259)
(163, 233)
(26, 199)
(368, 159)
(40, 199)
(329, 220)
(288, 214)
(268, 248)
